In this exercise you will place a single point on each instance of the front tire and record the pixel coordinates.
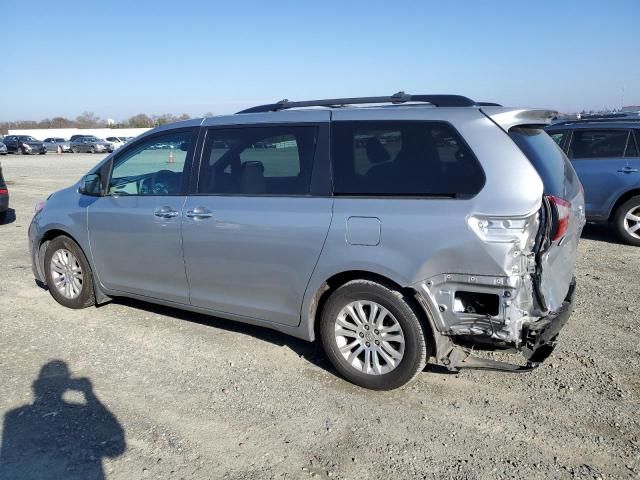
(373, 336)
(627, 221)
(68, 274)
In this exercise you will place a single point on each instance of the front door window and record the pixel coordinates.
(154, 167)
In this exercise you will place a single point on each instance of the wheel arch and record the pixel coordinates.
(42, 246)
(338, 279)
(623, 198)
(100, 296)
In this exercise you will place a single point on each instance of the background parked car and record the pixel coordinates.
(606, 155)
(24, 144)
(3, 149)
(4, 198)
(52, 143)
(117, 141)
(90, 144)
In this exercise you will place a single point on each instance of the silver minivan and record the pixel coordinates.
(393, 229)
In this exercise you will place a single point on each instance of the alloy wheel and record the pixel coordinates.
(369, 337)
(632, 222)
(66, 273)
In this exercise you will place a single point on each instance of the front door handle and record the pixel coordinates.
(199, 212)
(628, 170)
(166, 212)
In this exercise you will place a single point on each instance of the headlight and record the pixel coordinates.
(26, 147)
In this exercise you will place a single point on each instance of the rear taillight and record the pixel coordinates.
(561, 214)
(4, 191)
(504, 229)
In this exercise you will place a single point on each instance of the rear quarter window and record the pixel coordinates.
(558, 176)
(403, 158)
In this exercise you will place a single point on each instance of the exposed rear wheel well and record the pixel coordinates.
(623, 198)
(336, 281)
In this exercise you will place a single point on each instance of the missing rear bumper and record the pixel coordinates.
(540, 337)
(539, 341)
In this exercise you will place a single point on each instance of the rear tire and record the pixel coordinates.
(627, 221)
(68, 274)
(373, 336)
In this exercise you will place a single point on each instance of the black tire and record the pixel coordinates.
(619, 221)
(416, 349)
(86, 297)
(92, 150)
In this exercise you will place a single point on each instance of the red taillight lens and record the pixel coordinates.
(561, 215)
(4, 191)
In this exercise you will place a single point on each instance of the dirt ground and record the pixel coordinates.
(132, 390)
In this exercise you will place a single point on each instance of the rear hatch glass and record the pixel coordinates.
(562, 187)
(553, 166)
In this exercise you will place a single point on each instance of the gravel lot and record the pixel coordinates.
(170, 394)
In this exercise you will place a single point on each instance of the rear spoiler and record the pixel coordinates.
(507, 118)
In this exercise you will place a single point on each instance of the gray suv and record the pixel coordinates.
(606, 156)
(418, 227)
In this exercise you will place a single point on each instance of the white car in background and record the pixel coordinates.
(117, 141)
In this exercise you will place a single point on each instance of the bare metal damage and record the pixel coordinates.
(518, 305)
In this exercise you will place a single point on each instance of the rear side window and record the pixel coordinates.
(558, 176)
(607, 143)
(403, 159)
(258, 161)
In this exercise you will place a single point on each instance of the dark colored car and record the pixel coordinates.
(90, 144)
(24, 145)
(606, 155)
(4, 198)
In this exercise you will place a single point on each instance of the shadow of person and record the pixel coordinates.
(54, 438)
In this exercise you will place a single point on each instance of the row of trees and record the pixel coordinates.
(90, 120)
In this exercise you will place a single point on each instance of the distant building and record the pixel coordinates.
(631, 109)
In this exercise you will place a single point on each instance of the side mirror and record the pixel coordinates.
(91, 185)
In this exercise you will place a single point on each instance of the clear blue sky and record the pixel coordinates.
(119, 58)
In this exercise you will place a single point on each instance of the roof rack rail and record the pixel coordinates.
(400, 97)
